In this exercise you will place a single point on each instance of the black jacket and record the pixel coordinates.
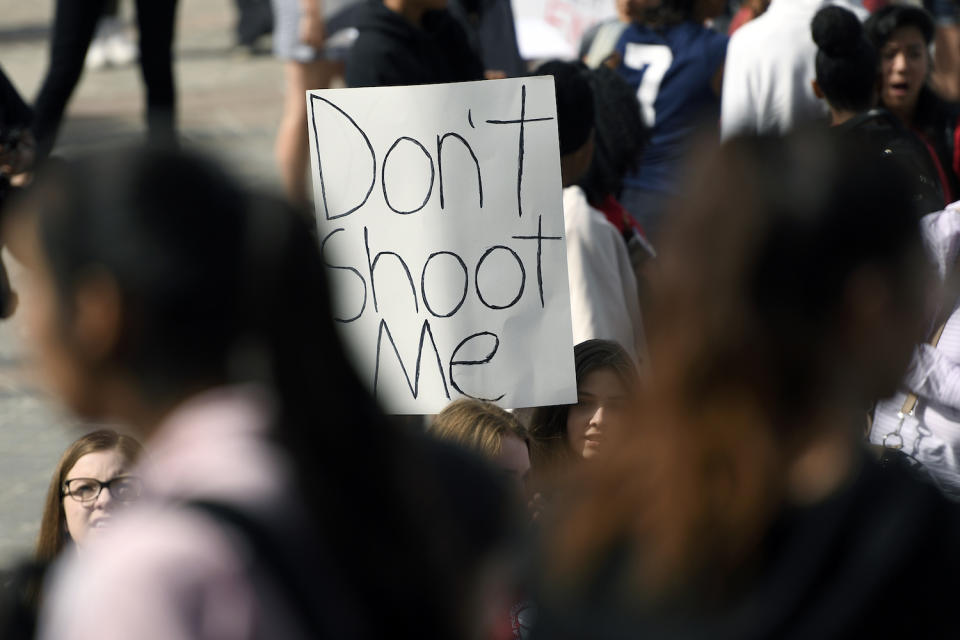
(938, 122)
(391, 51)
(878, 559)
(885, 136)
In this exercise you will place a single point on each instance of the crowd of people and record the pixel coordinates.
(763, 249)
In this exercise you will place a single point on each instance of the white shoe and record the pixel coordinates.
(120, 49)
(97, 54)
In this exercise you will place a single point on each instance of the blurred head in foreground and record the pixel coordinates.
(79, 501)
(565, 434)
(490, 432)
(157, 278)
(792, 292)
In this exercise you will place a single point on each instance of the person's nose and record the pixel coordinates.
(105, 499)
(596, 420)
(900, 63)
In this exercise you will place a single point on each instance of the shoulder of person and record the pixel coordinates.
(586, 224)
(371, 61)
(146, 579)
(469, 496)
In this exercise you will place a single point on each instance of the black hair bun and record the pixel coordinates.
(836, 31)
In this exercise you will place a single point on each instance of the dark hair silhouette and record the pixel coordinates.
(756, 341)
(881, 25)
(847, 63)
(575, 114)
(670, 12)
(223, 286)
(620, 134)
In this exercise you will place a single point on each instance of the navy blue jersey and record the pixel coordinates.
(672, 70)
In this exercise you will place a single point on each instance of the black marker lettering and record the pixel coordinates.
(372, 265)
(476, 162)
(476, 277)
(472, 363)
(423, 284)
(352, 270)
(539, 238)
(522, 121)
(383, 176)
(415, 385)
(316, 138)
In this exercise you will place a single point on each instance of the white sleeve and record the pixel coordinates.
(738, 112)
(934, 376)
(598, 287)
(941, 236)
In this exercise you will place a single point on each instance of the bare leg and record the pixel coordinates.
(292, 149)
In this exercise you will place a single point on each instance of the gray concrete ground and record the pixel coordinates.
(229, 105)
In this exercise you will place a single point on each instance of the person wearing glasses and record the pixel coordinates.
(90, 484)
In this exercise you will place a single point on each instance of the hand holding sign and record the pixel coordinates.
(441, 222)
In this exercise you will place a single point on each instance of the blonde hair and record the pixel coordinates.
(478, 426)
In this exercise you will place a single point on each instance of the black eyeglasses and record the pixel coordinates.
(86, 490)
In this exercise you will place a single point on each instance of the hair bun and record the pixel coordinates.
(836, 31)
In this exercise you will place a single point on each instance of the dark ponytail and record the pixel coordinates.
(847, 63)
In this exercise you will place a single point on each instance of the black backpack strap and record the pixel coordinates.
(272, 555)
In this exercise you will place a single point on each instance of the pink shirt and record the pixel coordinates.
(169, 573)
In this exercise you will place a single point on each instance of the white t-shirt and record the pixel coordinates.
(769, 69)
(603, 289)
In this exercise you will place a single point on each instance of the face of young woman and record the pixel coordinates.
(903, 70)
(598, 414)
(86, 520)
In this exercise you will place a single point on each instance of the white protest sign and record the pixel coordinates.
(553, 28)
(441, 220)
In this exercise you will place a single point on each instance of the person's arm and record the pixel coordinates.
(312, 27)
(935, 376)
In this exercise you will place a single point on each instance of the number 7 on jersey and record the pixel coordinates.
(650, 62)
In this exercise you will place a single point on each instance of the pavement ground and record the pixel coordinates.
(229, 106)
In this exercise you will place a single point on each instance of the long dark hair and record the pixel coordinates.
(220, 285)
(620, 134)
(548, 425)
(757, 345)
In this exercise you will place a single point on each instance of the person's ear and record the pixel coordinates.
(97, 316)
(817, 91)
